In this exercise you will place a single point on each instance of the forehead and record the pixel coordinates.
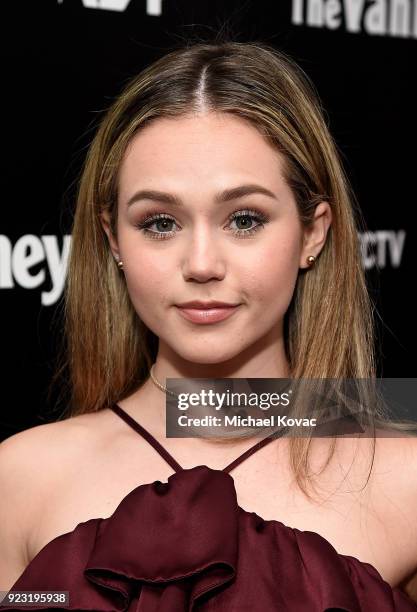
(200, 149)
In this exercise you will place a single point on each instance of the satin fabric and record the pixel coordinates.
(186, 545)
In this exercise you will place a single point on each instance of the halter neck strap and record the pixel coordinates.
(169, 458)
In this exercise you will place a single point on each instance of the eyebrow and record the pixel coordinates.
(225, 196)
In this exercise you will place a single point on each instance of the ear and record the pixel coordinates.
(315, 234)
(105, 222)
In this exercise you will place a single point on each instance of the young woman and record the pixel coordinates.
(212, 178)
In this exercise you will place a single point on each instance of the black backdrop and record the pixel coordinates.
(65, 60)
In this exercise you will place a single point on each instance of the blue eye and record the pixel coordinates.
(245, 217)
(160, 219)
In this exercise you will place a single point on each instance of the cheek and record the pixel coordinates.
(148, 282)
(270, 277)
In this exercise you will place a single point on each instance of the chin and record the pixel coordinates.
(207, 357)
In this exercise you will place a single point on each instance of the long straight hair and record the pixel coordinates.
(329, 327)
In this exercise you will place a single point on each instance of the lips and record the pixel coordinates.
(207, 315)
(200, 305)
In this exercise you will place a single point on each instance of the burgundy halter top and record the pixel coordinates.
(186, 545)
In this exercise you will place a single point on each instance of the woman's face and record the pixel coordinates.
(197, 250)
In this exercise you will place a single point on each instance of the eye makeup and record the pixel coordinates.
(163, 219)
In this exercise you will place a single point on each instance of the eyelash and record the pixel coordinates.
(149, 220)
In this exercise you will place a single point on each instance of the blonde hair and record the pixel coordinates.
(329, 329)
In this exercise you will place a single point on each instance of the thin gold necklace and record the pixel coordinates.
(158, 384)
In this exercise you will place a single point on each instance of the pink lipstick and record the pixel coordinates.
(207, 315)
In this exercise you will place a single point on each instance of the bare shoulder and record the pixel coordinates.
(397, 470)
(393, 491)
(36, 455)
(396, 461)
(375, 481)
(390, 462)
(31, 461)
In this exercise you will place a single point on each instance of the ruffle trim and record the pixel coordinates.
(169, 545)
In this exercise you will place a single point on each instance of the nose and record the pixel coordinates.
(203, 258)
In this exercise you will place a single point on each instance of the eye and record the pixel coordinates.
(160, 219)
(163, 222)
(246, 217)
